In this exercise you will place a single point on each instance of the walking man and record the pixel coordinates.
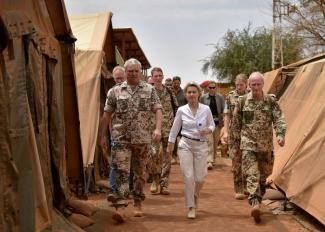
(235, 154)
(181, 99)
(128, 109)
(217, 104)
(160, 163)
(119, 77)
(254, 115)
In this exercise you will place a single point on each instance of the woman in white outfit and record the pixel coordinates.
(196, 122)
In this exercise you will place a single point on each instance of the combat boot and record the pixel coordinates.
(240, 196)
(164, 190)
(137, 209)
(256, 213)
(153, 187)
(210, 166)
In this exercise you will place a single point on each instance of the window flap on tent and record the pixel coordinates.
(19, 24)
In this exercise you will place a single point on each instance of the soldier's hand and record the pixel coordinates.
(156, 135)
(169, 148)
(281, 141)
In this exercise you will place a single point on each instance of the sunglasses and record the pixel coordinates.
(212, 87)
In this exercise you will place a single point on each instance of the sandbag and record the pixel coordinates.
(82, 207)
(273, 194)
(80, 220)
(102, 184)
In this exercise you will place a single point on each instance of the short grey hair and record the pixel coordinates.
(259, 74)
(116, 68)
(132, 61)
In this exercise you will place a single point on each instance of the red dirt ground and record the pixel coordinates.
(218, 211)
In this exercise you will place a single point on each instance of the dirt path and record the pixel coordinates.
(217, 211)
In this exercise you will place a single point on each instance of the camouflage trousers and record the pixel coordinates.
(159, 163)
(256, 166)
(154, 159)
(239, 180)
(124, 156)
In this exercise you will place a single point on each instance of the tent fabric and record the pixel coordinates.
(299, 165)
(91, 32)
(306, 61)
(88, 91)
(9, 196)
(273, 81)
(34, 134)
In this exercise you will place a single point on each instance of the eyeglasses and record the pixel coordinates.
(212, 87)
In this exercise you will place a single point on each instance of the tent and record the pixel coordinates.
(299, 166)
(32, 131)
(129, 47)
(276, 81)
(94, 57)
(99, 48)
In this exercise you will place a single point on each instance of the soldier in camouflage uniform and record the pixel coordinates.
(235, 154)
(253, 117)
(160, 161)
(128, 109)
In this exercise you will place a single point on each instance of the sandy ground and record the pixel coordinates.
(217, 211)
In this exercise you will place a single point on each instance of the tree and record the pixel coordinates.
(306, 18)
(247, 51)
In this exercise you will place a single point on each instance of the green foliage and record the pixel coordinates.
(247, 51)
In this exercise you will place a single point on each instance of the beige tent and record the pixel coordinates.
(299, 166)
(94, 49)
(276, 81)
(32, 128)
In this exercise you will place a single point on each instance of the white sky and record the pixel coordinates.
(174, 34)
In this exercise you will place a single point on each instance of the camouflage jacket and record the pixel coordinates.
(252, 122)
(166, 97)
(132, 112)
(230, 103)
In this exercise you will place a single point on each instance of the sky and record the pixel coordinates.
(177, 35)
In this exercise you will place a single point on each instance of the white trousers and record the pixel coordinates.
(193, 162)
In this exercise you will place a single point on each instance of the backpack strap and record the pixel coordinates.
(242, 100)
(174, 106)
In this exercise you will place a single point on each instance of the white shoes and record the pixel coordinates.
(191, 213)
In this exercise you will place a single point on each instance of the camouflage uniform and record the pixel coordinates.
(252, 128)
(160, 162)
(131, 135)
(235, 155)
